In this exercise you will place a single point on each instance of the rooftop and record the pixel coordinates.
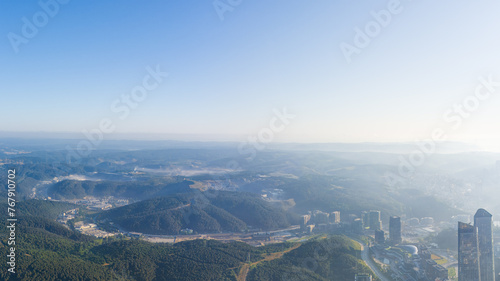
(482, 213)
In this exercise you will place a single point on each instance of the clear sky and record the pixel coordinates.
(226, 77)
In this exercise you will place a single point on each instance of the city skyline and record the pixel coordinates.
(250, 140)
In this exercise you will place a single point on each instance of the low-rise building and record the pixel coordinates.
(363, 277)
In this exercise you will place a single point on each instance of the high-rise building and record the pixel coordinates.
(468, 254)
(379, 236)
(335, 217)
(365, 216)
(483, 222)
(357, 226)
(375, 223)
(304, 221)
(395, 230)
(320, 217)
(363, 277)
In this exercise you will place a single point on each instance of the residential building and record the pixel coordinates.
(395, 230)
(379, 236)
(335, 217)
(375, 223)
(365, 216)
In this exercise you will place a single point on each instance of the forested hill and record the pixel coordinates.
(222, 211)
(45, 250)
(325, 258)
(138, 190)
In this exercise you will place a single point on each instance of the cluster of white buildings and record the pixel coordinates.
(320, 219)
(91, 229)
(104, 203)
(69, 215)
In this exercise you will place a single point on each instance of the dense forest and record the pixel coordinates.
(204, 213)
(45, 250)
(139, 190)
(332, 258)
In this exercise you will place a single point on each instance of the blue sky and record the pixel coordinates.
(227, 76)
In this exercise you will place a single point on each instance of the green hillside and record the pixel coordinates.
(45, 250)
(333, 258)
(222, 212)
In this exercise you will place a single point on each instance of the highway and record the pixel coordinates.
(366, 258)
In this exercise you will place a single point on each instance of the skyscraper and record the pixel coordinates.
(468, 254)
(483, 222)
(395, 230)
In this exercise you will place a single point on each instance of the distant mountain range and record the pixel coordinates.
(396, 147)
(41, 140)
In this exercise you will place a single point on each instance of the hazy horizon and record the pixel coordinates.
(231, 75)
(381, 146)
